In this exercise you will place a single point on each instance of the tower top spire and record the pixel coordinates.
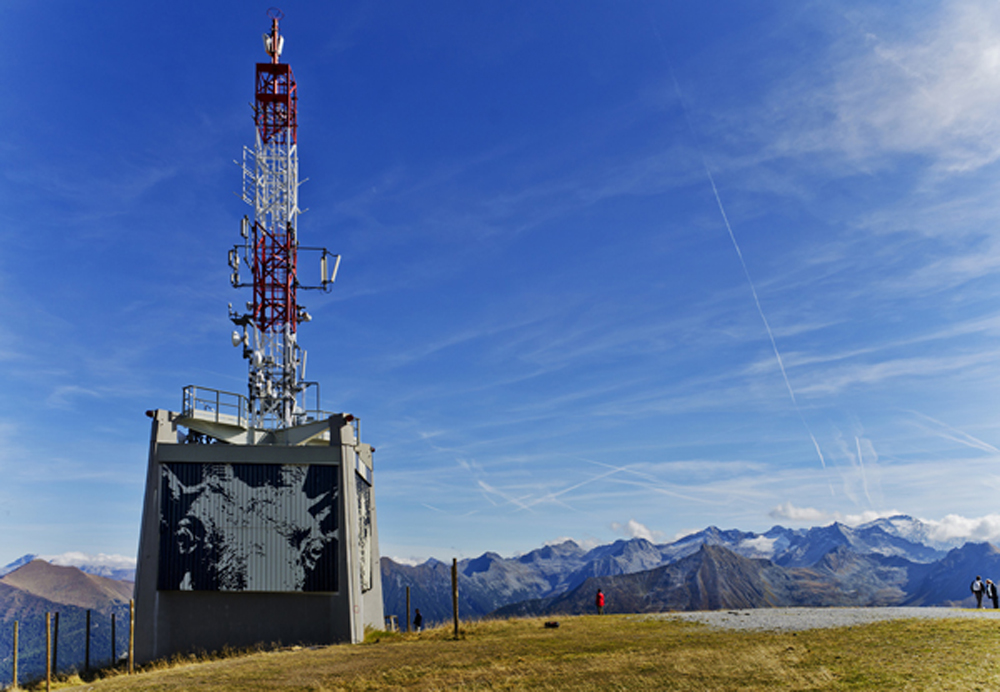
(274, 42)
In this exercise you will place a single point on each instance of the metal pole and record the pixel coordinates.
(131, 637)
(114, 659)
(48, 652)
(454, 592)
(15, 655)
(86, 658)
(407, 609)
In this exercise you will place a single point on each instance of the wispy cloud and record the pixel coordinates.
(835, 380)
(68, 396)
(888, 84)
(935, 91)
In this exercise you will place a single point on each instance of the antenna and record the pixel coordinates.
(274, 42)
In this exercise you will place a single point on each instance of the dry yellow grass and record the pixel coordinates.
(612, 653)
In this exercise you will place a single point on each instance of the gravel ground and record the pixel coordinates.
(793, 619)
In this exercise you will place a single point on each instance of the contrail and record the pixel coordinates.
(864, 478)
(736, 245)
(648, 479)
(746, 273)
(959, 436)
(509, 498)
(553, 496)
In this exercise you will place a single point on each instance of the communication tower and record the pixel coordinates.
(270, 250)
(259, 519)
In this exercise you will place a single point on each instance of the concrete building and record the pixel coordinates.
(266, 543)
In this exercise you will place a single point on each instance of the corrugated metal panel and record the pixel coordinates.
(248, 527)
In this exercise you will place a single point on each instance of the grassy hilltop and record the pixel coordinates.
(623, 652)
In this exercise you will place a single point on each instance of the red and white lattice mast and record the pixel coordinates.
(270, 249)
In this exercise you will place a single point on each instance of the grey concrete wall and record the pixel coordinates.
(210, 621)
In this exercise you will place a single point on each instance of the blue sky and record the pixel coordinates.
(610, 269)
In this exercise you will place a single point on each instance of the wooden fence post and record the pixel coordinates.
(15, 655)
(48, 652)
(131, 636)
(55, 646)
(86, 655)
(454, 592)
(114, 659)
(407, 609)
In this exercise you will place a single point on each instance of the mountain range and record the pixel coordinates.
(886, 562)
(890, 561)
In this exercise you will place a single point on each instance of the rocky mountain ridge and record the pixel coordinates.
(890, 561)
(717, 578)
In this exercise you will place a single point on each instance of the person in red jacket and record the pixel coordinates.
(599, 601)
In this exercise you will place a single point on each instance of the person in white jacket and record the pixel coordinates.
(977, 590)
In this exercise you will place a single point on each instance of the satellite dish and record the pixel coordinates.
(237, 339)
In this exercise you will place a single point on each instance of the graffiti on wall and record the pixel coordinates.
(248, 527)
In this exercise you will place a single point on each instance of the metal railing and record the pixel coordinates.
(205, 403)
(216, 405)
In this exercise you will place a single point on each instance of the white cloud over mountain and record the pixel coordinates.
(76, 559)
(811, 515)
(952, 530)
(634, 529)
(955, 528)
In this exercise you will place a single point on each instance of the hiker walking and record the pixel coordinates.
(991, 593)
(418, 620)
(599, 602)
(977, 590)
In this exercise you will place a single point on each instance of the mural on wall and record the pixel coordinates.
(248, 527)
(365, 552)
